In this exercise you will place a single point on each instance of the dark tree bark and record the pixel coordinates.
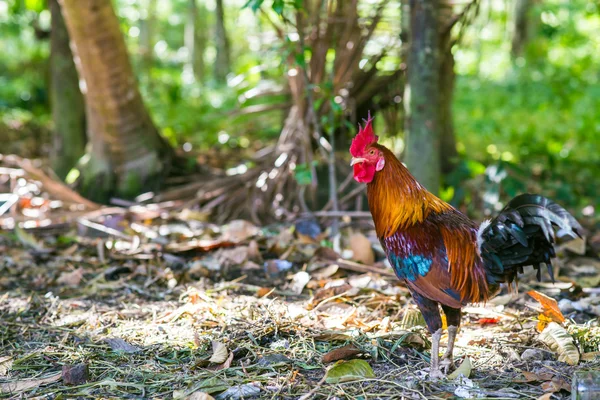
(448, 151)
(67, 104)
(423, 141)
(222, 64)
(126, 154)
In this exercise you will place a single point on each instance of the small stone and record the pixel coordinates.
(532, 355)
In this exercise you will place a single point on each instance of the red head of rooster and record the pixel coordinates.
(367, 158)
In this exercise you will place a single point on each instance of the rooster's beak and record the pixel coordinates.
(356, 160)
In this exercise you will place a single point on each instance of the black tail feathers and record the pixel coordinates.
(523, 234)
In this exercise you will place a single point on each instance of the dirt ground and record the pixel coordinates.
(194, 310)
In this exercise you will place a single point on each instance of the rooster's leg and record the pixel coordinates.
(453, 319)
(435, 371)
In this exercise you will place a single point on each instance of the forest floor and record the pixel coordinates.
(151, 303)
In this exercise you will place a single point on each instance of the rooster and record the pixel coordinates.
(444, 258)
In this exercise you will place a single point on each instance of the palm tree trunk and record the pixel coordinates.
(68, 107)
(126, 154)
(423, 141)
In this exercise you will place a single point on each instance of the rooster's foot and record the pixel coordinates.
(446, 364)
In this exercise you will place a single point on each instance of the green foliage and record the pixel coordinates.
(529, 124)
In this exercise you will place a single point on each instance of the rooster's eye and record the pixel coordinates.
(372, 152)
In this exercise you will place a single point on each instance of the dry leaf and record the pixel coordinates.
(239, 230)
(341, 353)
(118, 344)
(361, 249)
(555, 385)
(533, 377)
(72, 278)
(263, 291)
(226, 364)
(299, 281)
(75, 374)
(199, 396)
(464, 369)
(591, 356)
(26, 384)
(559, 340)
(550, 308)
(326, 272)
(220, 352)
(5, 365)
(546, 396)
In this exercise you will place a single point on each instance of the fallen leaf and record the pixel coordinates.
(326, 272)
(226, 364)
(263, 291)
(273, 359)
(464, 369)
(118, 344)
(299, 281)
(546, 396)
(488, 321)
(345, 371)
(559, 340)
(590, 356)
(72, 278)
(341, 353)
(220, 353)
(555, 385)
(75, 374)
(6, 363)
(239, 230)
(412, 317)
(199, 396)
(361, 249)
(240, 392)
(549, 306)
(533, 377)
(26, 384)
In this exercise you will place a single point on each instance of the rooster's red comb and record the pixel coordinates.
(363, 138)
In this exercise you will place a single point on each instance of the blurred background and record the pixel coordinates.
(259, 91)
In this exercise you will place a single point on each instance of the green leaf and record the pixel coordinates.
(254, 5)
(278, 6)
(303, 174)
(349, 370)
(35, 5)
(300, 60)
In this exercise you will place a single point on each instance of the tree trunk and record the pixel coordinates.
(68, 107)
(147, 26)
(126, 153)
(447, 77)
(423, 141)
(222, 65)
(521, 29)
(195, 39)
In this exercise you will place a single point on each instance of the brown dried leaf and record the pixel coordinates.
(26, 384)
(361, 249)
(549, 306)
(75, 374)
(72, 278)
(226, 364)
(239, 230)
(533, 377)
(341, 353)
